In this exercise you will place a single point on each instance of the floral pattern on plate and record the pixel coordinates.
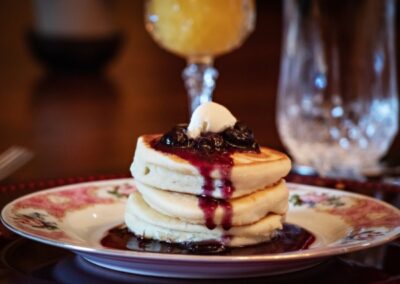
(77, 216)
(41, 213)
(368, 219)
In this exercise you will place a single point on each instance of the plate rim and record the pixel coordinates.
(312, 253)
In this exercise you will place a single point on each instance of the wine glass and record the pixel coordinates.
(199, 30)
(337, 100)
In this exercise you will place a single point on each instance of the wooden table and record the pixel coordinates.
(81, 125)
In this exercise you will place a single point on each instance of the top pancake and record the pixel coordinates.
(250, 171)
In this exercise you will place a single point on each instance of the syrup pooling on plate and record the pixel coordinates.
(210, 152)
(290, 238)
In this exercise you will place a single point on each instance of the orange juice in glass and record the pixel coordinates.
(200, 30)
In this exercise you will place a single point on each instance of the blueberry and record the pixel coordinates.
(176, 137)
(238, 138)
(216, 140)
(240, 126)
(205, 145)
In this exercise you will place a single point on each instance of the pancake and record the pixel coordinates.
(215, 184)
(245, 209)
(146, 222)
(250, 171)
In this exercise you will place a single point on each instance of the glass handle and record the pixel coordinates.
(200, 83)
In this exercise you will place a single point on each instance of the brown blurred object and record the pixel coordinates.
(67, 55)
(74, 36)
(83, 125)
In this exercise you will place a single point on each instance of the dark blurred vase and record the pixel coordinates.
(74, 36)
(65, 54)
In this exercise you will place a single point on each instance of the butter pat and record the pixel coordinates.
(210, 117)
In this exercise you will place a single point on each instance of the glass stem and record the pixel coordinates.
(200, 82)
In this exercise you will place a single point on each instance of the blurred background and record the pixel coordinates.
(85, 121)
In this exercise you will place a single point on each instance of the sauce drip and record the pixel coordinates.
(207, 164)
(290, 238)
(209, 205)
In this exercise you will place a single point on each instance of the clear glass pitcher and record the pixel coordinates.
(337, 106)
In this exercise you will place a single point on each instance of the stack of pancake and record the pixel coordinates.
(165, 206)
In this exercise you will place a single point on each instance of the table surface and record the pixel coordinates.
(82, 125)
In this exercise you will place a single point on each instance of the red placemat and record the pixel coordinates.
(341, 184)
(43, 184)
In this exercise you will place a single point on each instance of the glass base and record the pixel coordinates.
(380, 171)
(303, 170)
(338, 172)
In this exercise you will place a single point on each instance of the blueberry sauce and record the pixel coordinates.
(206, 165)
(208, 153)
(290, 238)
(209, 205)
(228, 213)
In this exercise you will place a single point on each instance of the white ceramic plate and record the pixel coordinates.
(76, 217)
